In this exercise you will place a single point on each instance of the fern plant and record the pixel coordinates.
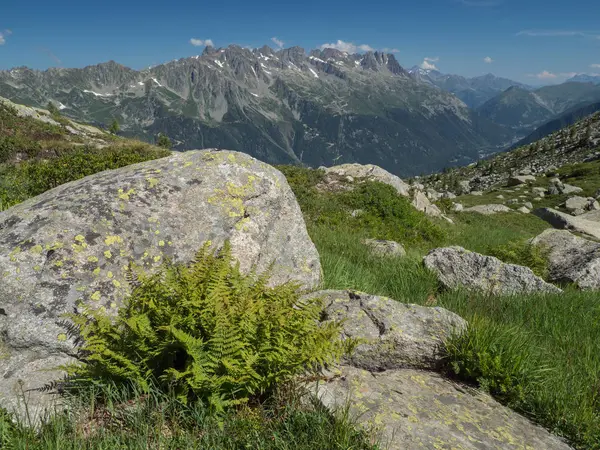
(206, 332)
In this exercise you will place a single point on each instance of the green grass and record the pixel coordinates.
(537, 354)
(159, 421)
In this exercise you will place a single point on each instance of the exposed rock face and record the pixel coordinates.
(385, 248)
(422, 203)
(567, 222)
(74, 243)
(488, 210)
(579, 205)
(395, 334)
(520, 179)
(371, 173)
(571, 259)
(457, 267)
(388, 383)
(414, 409)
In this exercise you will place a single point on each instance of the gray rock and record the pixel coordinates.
(524, 210)
(528, 205)
(570, 189)
(520, 179)
(512, 201)
(457, 207)
(74, 242)
(593, 216)
(393, 334)
(413, 409)
(385, 248)
(488, 210)
(464, 187)
(372, 173)
(501, 197)
(449, 195)
(571, 259)
(579, 205)
(422, 203)
(457, 267)
(477, 193)
(539, 191)
(568, 222)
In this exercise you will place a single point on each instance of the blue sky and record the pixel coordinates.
(533, 41)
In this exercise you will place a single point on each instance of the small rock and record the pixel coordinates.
(356, 212)
(528, 205)
(524, 210)
(539, 191)
(477, 193)
(501, 197)
(457, 267)
(520, 179)
(488, 210)
(385, 248)
(512, 201)
(457, 207)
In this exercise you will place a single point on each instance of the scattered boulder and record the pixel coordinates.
(539, 191)
(528, 205)
(457, 207)
(569, 189)
(517, 180)
(579, 205)
(393, 334)
(74, 243)
(449, 195)
(422, 203)
(477, 193)
(571, 259)
(457, 267)
(488, 210)
(414, 409)
(385, 248)
(372, 173)
(390, 388)
(568, 222)
(464, 187)
(524, 210)
(501, 197)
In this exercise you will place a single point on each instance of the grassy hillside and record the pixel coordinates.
(525, 350)
(537, 353)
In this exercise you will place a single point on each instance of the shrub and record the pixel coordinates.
(523, 253)
(207, 332)
(163, 141)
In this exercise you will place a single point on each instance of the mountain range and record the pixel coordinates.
(323, 107)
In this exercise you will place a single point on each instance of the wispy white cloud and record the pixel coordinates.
(348, 47)
(390, 50)
(595, 66)
(547, 75)
(488, 60)
(429, 63)
(3, 35)
(201, 42)
(560, 33)
(278, 42)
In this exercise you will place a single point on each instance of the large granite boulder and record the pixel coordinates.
(457, 267)
(73, 244)
(372, 173)
(564, 221)
(414, 409)
(571, 259)
(390, 388)
(392, 334)
(385, 248)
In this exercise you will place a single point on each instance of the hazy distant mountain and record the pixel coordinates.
(524, 110)
(284, 106)
(473, 91)
(583, 78)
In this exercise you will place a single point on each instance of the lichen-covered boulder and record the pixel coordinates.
(392, 334)
(73, 244)
(372, 173)
(413, 409)
(381, 247)
(457, 267)
(571, 259)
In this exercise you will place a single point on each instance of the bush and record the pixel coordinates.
(523, 253)
(206, 332)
